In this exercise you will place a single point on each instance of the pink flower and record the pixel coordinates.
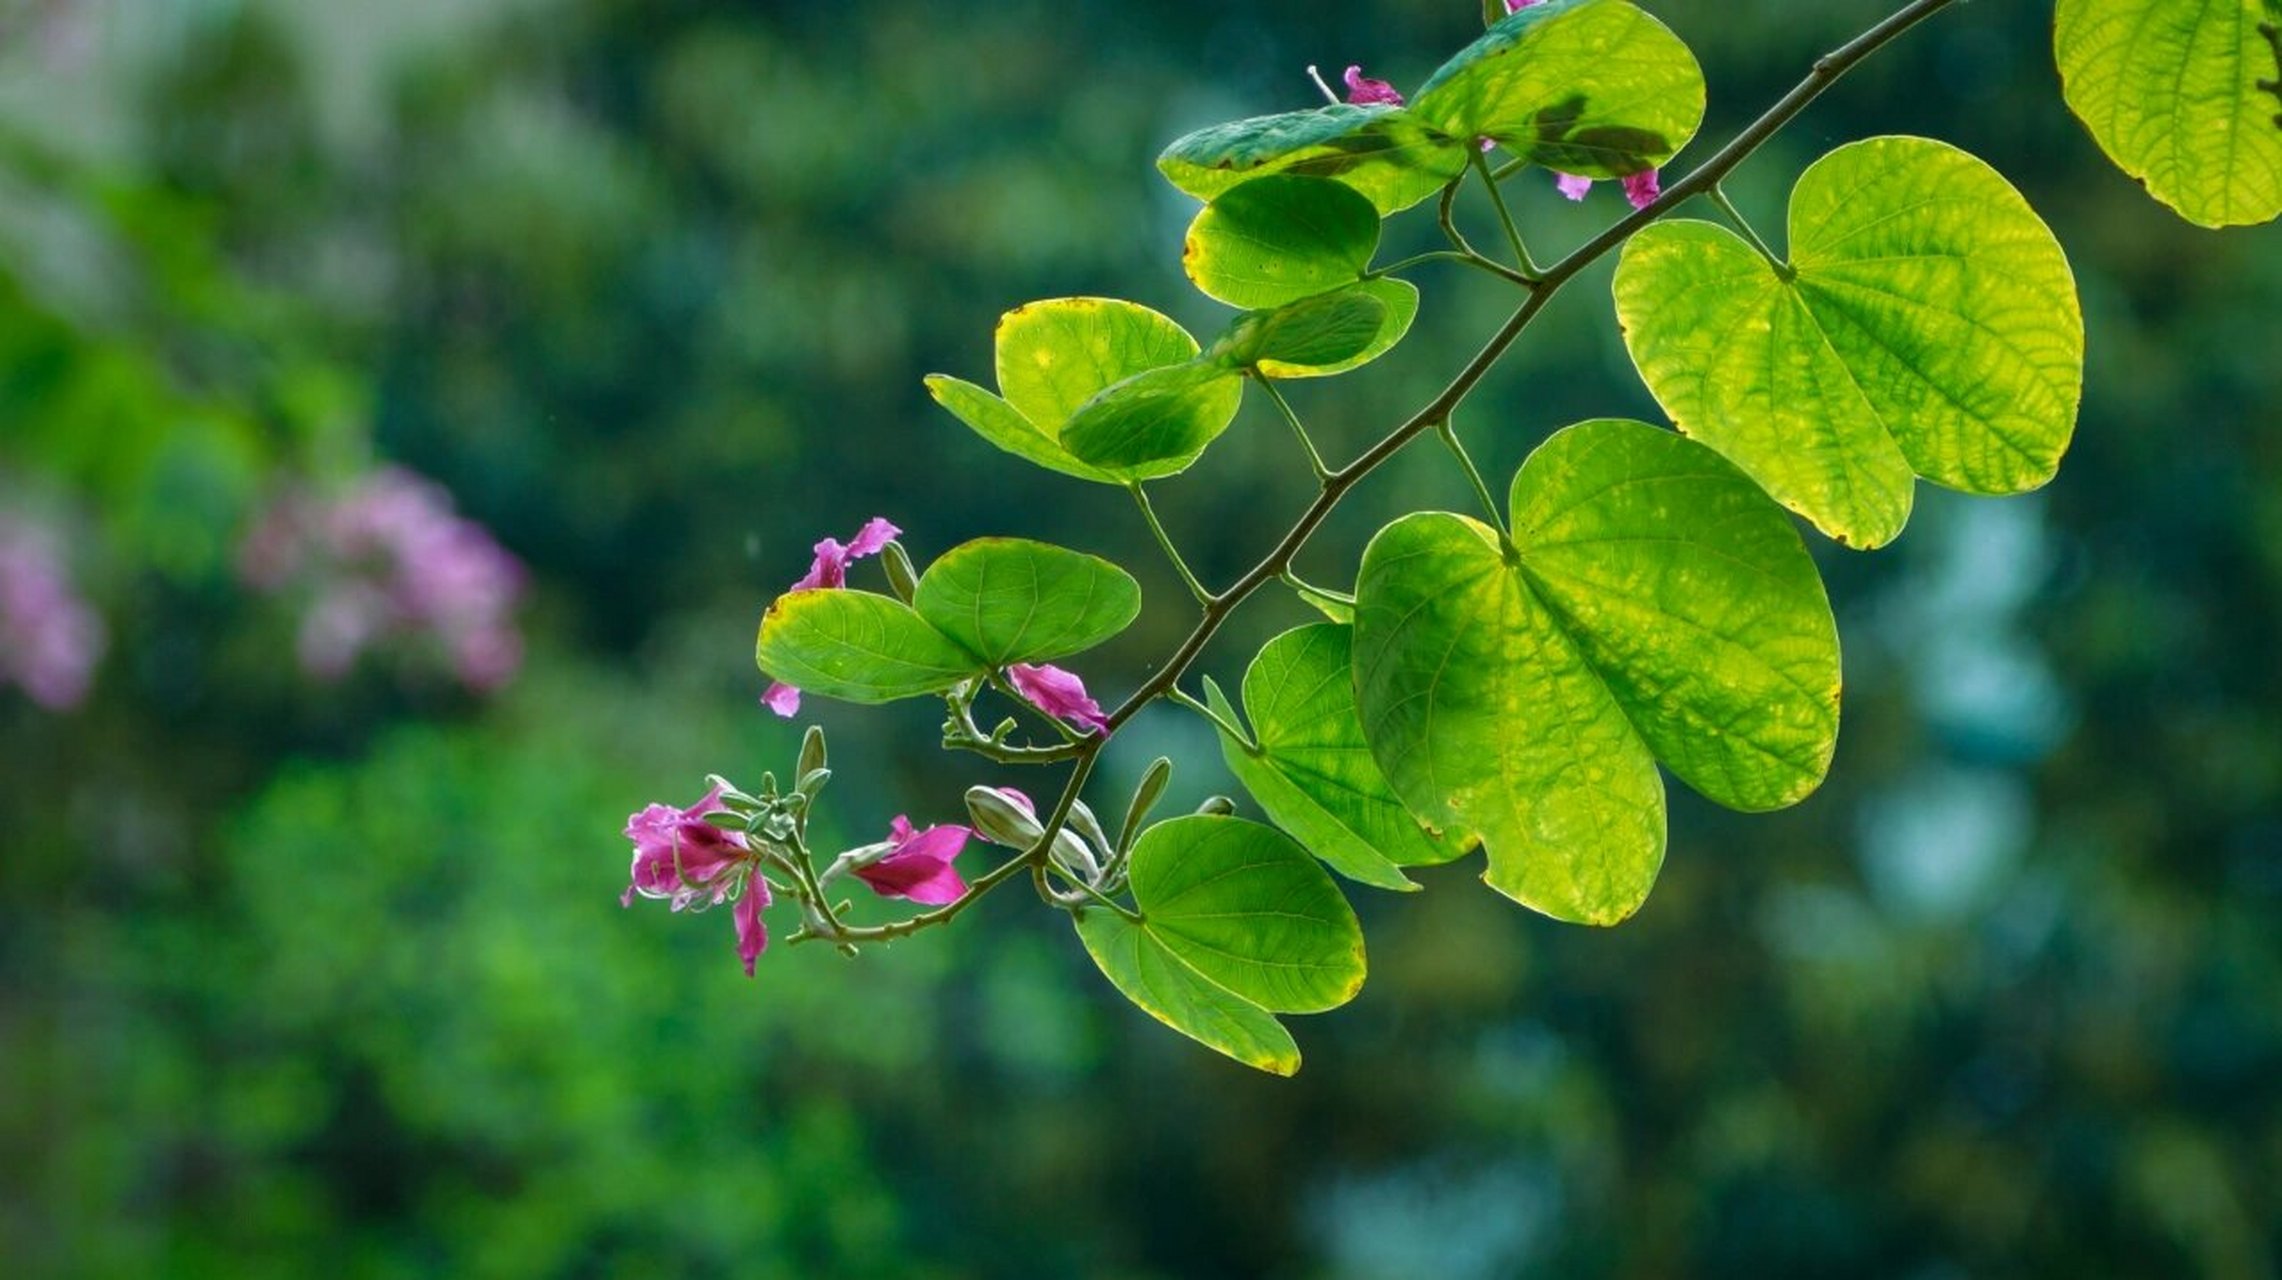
(1572, 186)
(1363, 89)
(50, 640)
(1058, 693)
(919, 865)
(830, 568)
(1642, 188)
(829, 572)
(690, 863)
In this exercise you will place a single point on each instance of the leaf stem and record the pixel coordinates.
(1475, 260)
(1457, 448)
(1718, 196)
(1505, 218)
(1165, 540)
(1283, 406)
(1177, 694)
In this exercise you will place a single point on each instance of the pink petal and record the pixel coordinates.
(1058, 693)
(872, 538)
(828, 571)
(782, 698)
(1363, 89)
(752, 935)
(1642, 189)
(1020, 800)
(1572, 186)
(937, 843)
(924, 880)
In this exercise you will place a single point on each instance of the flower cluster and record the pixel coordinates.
(50, 640)
(388, 560)
(1640, 188)
(721, 849)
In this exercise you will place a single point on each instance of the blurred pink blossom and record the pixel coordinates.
(389, 559)
(50, 639)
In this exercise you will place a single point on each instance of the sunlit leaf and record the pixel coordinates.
(2180, 94)
(1400, 300)
(858, 646)
(1591, 87)
(1250, 910)
(1155, 423)
(1329, 329)
(1057, 355)
(1388, 155)
(1655, 605)
(1012, 600)
(1310, 768)
(1928, 327)
(1147, 973)
(1280, 238)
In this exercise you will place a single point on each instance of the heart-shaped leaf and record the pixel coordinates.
(1237, 922)
(1055, 356)
(859, 647)
(2183, 97)
(1012, 600)
(1927, 326)
(1310, 767)
(1654, 605)
(1390, 156)
(1590, 87)
(1280, 238)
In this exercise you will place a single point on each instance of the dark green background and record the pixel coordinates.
(298, 979)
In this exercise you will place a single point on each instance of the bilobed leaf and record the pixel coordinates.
(1310, 768)
(1155, 423)
(1280, 238)
(1316, 333)
(1250, 911)
(1929, 327)
(1055, 356)
(1400, 300)
(1655, 606)
(859, 647)
(1144, 971)
(2180, 94)
(1385, 153)
(1012, 600)
(1591, 87)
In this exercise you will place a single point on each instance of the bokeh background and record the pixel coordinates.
(311, 960)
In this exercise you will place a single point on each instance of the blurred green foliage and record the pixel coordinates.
(299, 977)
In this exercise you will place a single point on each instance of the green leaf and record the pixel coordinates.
(1280, 238)
(1250, 911)
(1311, 768)
(1590, 87)
(1146, 972)
(1156, 423)
(2172, 90)
(997, 421)
(1011, 600)
(858, 646)
(1312, 333)
(1400, 300)
(1929, 327)
(1390, 156)
(1655, 605)
(1055, 356)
